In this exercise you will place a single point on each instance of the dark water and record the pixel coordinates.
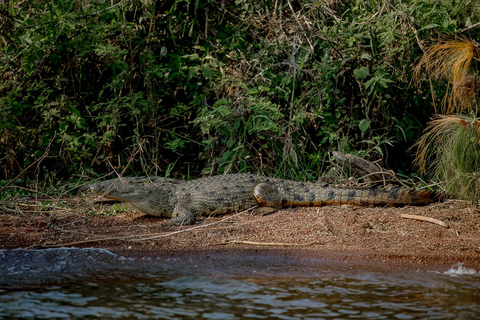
(94, 283)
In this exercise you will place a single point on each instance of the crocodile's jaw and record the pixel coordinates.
(151, 198)
(131, 195)
(117, 189)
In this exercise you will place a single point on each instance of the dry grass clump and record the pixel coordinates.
(450, 151)
(465, 89)
(448, 60)
(450, 147)
(451, 60)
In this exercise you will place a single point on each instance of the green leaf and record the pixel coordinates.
(361, 72)
(430, 26)
(380, 79)
(193, 56)
(220, 102)
(207, 71)
(208, 169)
(364, 124)
(226, 156)
(366, 56)
(193, 72)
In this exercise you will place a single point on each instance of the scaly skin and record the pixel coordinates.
(184, 200)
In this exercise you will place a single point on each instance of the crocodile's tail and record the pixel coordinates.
(308, 195)
(391, 196)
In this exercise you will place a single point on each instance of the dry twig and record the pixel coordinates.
(145, 237)
(282, 244)
(422, 218)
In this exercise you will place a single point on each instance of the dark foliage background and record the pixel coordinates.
(184, 88)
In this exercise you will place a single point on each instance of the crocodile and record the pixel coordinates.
(183, 201)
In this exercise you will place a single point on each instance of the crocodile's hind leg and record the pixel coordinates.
(181, 216)
(267, 196)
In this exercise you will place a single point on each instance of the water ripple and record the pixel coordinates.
(93, 283)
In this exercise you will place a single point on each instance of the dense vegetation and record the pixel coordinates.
(212, 86)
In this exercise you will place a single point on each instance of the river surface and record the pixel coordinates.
(95, 283)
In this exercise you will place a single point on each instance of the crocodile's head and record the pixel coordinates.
(151, 197)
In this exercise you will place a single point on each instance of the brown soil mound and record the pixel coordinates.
(344, 233)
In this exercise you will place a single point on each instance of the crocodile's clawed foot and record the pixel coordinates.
(180, 221)
(263, 211)
(181, 217)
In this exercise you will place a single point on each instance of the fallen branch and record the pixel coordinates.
(138, 238)
(422, 218)
(253, 243)
(470, 27)
(364, 169)
(192, 228)
(69, 244)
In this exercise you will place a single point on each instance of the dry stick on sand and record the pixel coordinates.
(422, 218)
(145, 236)
(269, 243)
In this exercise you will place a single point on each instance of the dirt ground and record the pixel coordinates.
(345, 233)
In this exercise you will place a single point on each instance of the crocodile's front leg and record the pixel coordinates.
(181, 216)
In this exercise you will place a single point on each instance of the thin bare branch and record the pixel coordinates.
(280, 244)
(422, 218)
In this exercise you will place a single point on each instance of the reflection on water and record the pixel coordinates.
(96, 283)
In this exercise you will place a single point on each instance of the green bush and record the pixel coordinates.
(207, 86)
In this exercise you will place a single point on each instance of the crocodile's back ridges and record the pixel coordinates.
(219, 194)
(184, 200)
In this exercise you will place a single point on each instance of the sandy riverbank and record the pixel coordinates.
(342, 234)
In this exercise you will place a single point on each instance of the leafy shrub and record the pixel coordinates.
(212, 86)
